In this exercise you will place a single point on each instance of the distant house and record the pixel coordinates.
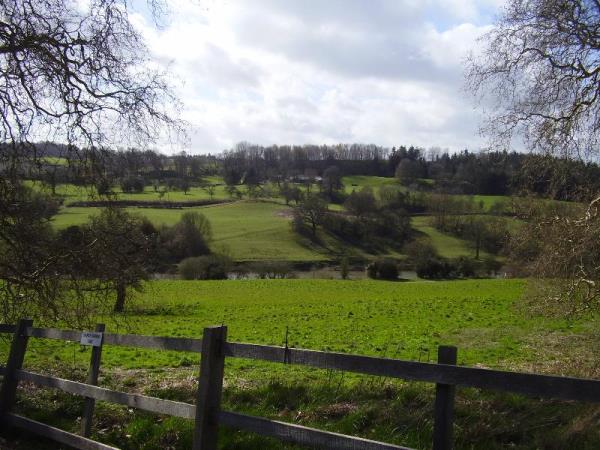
(305, 179)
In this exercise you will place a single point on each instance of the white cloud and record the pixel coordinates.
(274, 71)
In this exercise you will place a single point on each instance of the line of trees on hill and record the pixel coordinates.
(486, 173)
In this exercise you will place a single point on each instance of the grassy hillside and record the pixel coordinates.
(447, 246)
(487, 201)
(248, 230)
(357, 182)
(260, 230)
(407, 320)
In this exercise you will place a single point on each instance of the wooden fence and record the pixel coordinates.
(207, 413)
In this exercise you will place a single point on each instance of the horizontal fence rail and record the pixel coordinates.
(284, 431)
(214, 348)
(151, 404)
(7, 328)
(547, 386)
(563, 388)
(301, 435)
(56, 434)
(125, 340)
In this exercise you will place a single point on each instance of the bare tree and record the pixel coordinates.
(538, 76)
(210, 190)
(332, 180)
(77, 73)
(562, 252)
(119, 251)
(312, 211)
(79, 76)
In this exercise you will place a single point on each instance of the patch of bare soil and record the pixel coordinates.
(286, 214)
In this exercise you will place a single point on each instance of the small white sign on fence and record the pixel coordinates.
(91, 338)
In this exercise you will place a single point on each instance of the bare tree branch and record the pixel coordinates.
(80, 73)
(538, 76)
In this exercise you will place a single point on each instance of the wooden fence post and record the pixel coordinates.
(210, 388)
(92, 378)
(444, 404)
(18, 346)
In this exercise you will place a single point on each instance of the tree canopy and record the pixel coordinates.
(538, 76)
(76, 73)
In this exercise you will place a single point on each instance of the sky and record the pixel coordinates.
(386, 72)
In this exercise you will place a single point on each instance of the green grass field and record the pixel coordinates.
(357, 182)
(487, 201)
(483, 318)
(447, 246)
(55, 160)
(72, 193)
(406, 320)
(261, 230)
(247, 230)
(251, 230)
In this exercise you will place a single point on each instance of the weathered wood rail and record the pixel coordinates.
(207, 414)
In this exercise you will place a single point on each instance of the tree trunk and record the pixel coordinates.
(121, 294)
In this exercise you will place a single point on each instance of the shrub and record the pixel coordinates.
(103, 187)
(197, 221)
(434, 268)
(71, 237)
(361, 202)
(345, 227)
(291, 193)
(390, 224)
(372, 270)
(132, 185)
(420, 250)
(207, 267)
(187, 238)
(388, 270)
(438, 268)
(383, 269)
(465, 267)
(495, 236)
(299, 226)
(337, 197)
(394, 225)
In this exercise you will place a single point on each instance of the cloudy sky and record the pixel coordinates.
(387, 72)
